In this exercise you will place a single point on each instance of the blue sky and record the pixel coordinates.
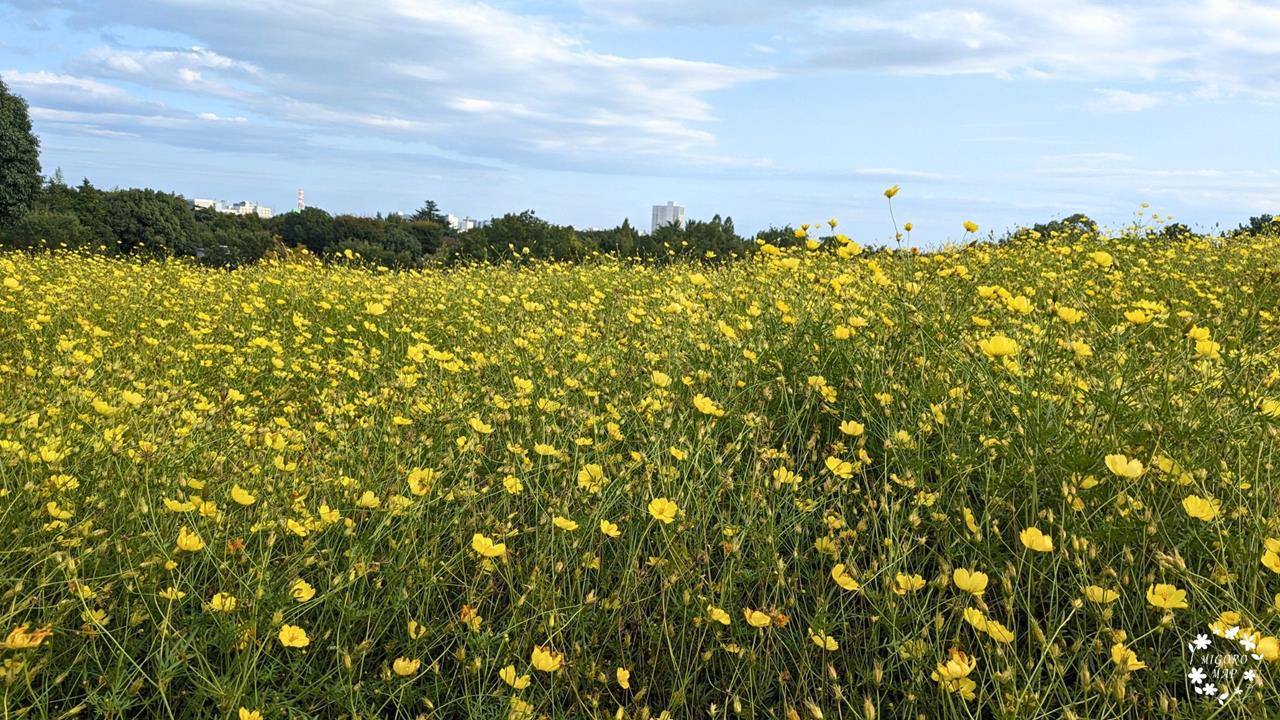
(588, 111)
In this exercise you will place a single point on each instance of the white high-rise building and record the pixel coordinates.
(250, 208)
(240, 208)
(669, 214)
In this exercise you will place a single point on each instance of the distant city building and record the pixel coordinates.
(669, 214)
(240, 208)
(203, 204)
(462, 225)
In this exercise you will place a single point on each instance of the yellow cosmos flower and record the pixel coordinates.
(1137, 316)
(240, 496)
(663, 510)
(623, 676)
(1035, 540)
(842, 577)
(189, 541)
(953, 675)
(1102, 258)
(784, 476)
(405, 667)
(509, 676)
(292, 636)
(756, 619)
(1124, 467)
(824, 641)
(660, 379)
(1269, 407)
(852, 428)
(610, 529)
(591, 478)
(970, 581)
(1100, 595)
(545, 659)
(247, 714)
(998, 632)
(998, 346)
(1269, 648)
(486, 547)
(480, 426)
(1209, 350)
(223, 602)
(1271, 558)
(840, 468)
(718, 615)
(1201, 508)
(172, 594)
(1126, 659)
(1167, 597)
(707, 406)
(970, 226)
(368, 500)
(564, 523)
(301, 591)
(421, 480)
(976, 618)
(1068, 315)
(904, 584)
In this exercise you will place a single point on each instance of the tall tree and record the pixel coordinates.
(19, 159)
(430, 211)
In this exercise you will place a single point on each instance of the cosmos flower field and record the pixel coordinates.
(1008, 480)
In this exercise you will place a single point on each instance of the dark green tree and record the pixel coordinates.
(310, 227)
(527, 235)
(430, 212)
(147, 221)
(1261, 225)
(19, 159)
(43, 228)
(230, 240)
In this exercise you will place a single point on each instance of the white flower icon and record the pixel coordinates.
(1196, 676)
(1247, 643)
(1200, 643)
(1250, 676)
(1232, 632)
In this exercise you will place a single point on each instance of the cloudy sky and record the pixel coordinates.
(588, 111)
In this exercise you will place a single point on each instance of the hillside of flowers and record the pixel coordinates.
(1015, 480)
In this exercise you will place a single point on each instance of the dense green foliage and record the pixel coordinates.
(19, 159)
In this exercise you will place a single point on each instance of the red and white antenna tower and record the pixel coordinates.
(301, 204)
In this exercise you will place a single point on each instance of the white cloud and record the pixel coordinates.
(468, 76)
(43, 85)
(1219, 48)
(1124, 101)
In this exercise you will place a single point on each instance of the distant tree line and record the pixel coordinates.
(148, 222)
